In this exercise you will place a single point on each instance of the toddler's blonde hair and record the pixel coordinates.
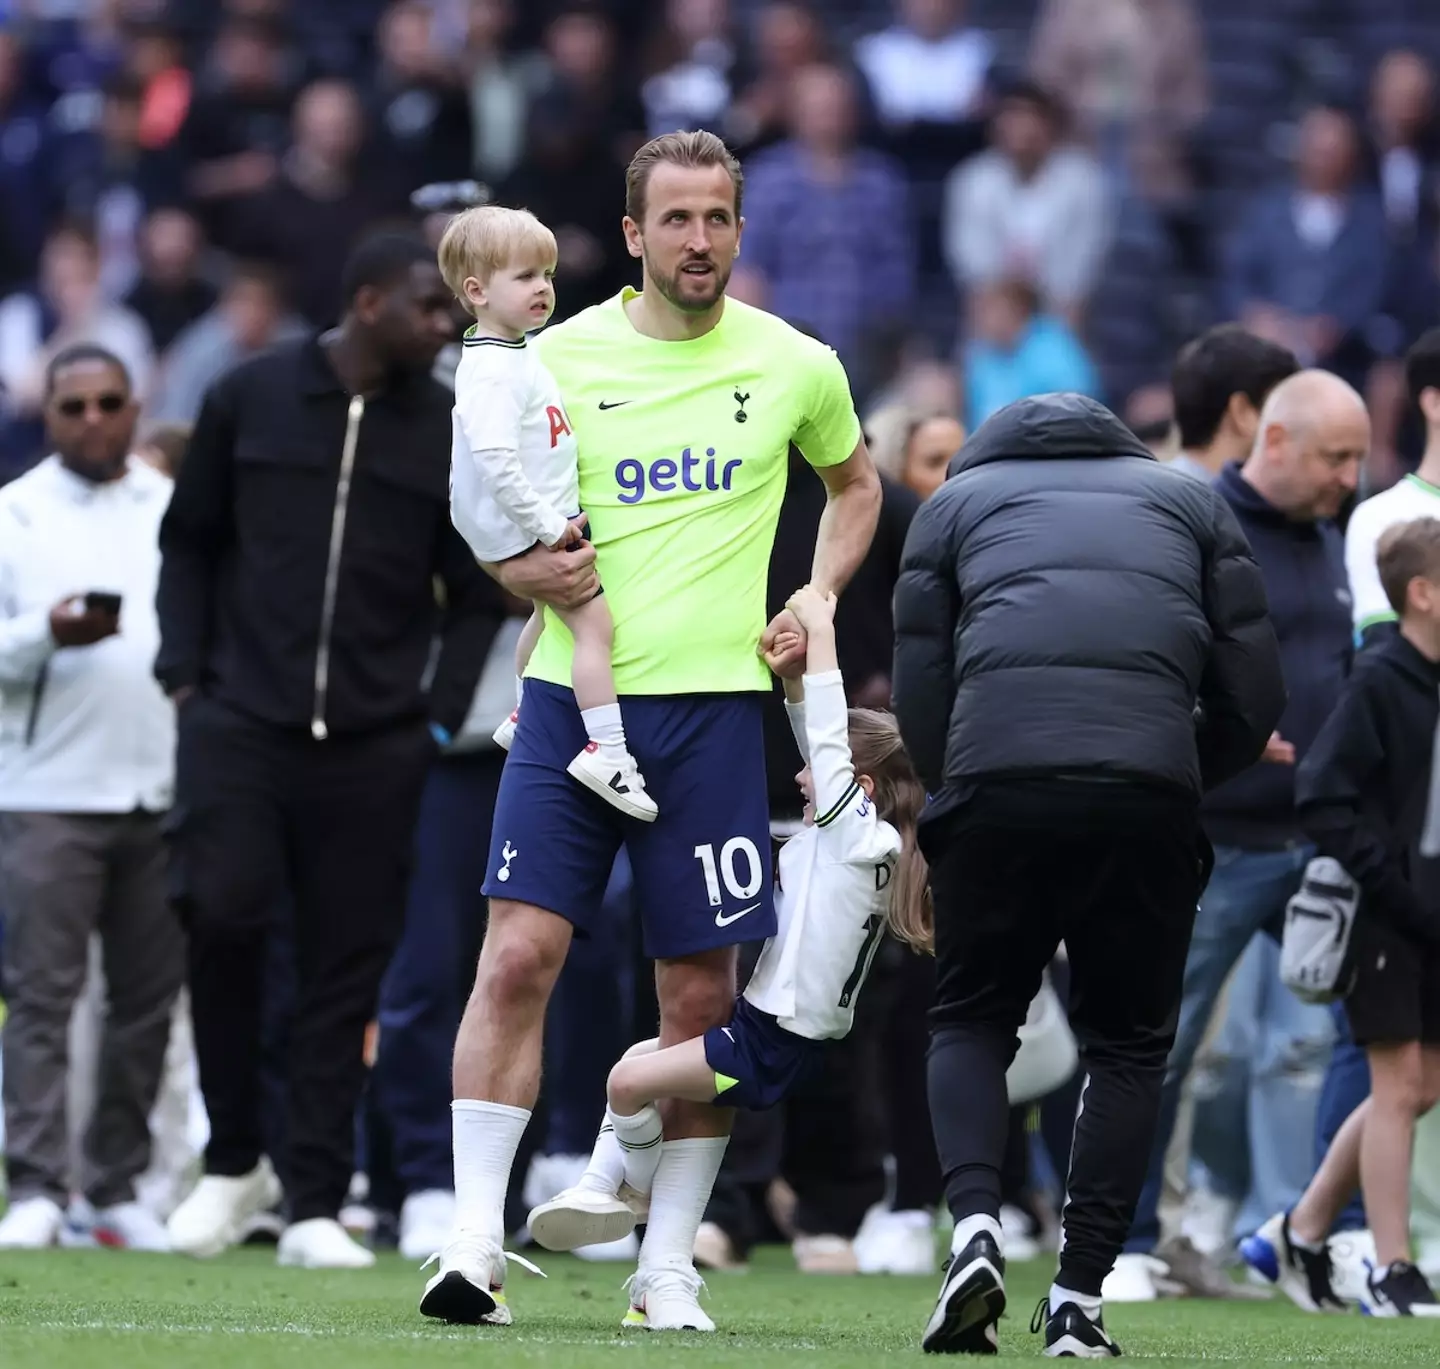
(480, 241)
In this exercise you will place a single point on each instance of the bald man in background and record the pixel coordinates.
(1313, 434)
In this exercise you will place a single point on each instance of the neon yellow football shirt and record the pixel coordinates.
(683, 451)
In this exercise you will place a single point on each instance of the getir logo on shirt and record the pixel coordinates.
(665, 474)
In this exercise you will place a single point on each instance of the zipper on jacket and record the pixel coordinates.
(318, 729)
(33, 720)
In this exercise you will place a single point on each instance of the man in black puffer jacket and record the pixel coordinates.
(1082, 648)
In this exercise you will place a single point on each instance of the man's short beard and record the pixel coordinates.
(669, 286)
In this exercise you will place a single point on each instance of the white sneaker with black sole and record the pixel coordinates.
(1071, 1334)
(972, 1298)
(611, 772)
(469, 1289)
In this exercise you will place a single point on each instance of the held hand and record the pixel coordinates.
(1278, 751)
(574, 533)
(72, 624)
(564, 579)
(814, 611)
(786, 659)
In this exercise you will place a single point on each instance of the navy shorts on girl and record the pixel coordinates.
(756, 1061)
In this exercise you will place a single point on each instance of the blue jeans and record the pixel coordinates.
(1248, 891)
(423, 994)
(1347, 1085)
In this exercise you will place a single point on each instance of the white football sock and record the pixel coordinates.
(606, 1170)
(678, 1199)
(603, 725)
(969, 1227)
(486, 1137)
(1086, 1302)
(640, 1146)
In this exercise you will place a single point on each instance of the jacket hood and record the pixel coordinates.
(1049, 427)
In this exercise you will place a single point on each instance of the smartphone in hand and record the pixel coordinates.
(100, 601)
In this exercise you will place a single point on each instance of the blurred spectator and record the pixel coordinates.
(163, 447)
(421, 115)
(502, 83)
(171, 293)
(928, 67)
(585, 125)
(24, 166)
(238, 122)
(1029, 207)
(1307, 266)
(85, 774)
(65, 308)
(687, 81)
(929, 445)
(319, 207)
(1406, 148)
(156, 59)
(249, 318)
(1016, 351)
(827, 227)
(787, 38)
(1133, 72)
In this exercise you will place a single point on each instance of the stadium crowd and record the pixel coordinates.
(972, 202)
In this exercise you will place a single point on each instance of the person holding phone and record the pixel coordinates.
(86, 745)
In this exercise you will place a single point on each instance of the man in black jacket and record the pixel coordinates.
(1082, 648)
(297, 612)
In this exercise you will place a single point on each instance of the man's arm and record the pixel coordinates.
(565, 579)
(1345, 761)
(473, 611)
(847, 524)
(194, 534)
(927, 607)
(1242, 692)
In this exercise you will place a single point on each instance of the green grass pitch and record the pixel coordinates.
(112, 1310)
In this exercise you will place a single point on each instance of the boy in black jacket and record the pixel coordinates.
(1363, 793)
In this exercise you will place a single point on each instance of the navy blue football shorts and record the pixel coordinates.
(703, 870)
(756, 1061)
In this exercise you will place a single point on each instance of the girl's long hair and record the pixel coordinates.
(876, 750)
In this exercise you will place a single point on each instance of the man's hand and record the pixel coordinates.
(565, 579)
(782, 644)
(1278, 751)
(72, 624)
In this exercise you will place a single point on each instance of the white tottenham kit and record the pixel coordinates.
(834, 882)
(1410, 499)
(514, 474)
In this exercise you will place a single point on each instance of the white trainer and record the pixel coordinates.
(213, 1217)
(321, 1243)
(1133, 1279)
(1353, 1259)
(611, 772)
(666, 1299)
(130, 1226)
(504, 735)
(580, 1217)
(426, 1220)
(31, 1224)
(469, 1287)
(896, 1243)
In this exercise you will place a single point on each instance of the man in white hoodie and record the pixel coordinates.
(86, 755)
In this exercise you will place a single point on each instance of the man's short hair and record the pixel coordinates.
(381, 262)
(692, 148)
(1405, 551)
(1223, 361)
(1422, 364)
(78, 354)
(483, 240)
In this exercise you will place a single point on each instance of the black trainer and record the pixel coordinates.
(1070, 1334)
(1400, 1290)
(971, 1302)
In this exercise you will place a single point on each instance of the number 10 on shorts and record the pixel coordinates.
(728, 868)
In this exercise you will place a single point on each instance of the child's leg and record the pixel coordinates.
(1397, 1088)
(1334, 1183)
(606, 1170)
(590, 675)
(525, 648)
(646, 1077)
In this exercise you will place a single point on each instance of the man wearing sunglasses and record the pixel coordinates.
(86, 745)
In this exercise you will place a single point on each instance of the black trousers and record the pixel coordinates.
(1115, 872)
(266, 817)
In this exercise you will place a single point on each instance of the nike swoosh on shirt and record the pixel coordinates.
(722, 921)
(619, 404)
